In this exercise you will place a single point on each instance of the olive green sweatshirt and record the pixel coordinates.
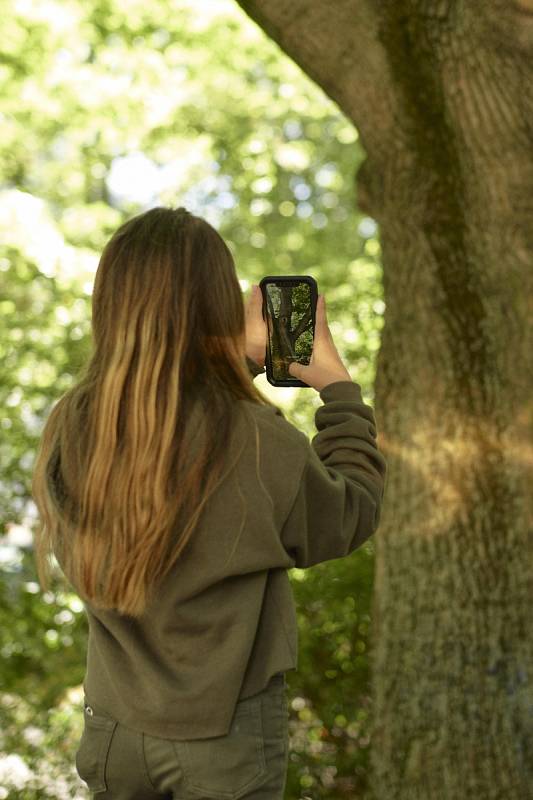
(223, 619)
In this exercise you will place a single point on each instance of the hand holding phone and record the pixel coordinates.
(289, 306)
(325, 365)
(255, 327)
(299, 349)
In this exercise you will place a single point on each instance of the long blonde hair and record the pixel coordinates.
(113, 471)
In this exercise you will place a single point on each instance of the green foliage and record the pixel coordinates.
(37, 747)
(209, 108)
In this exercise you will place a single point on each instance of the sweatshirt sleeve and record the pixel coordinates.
(254, 367)
(338, 502)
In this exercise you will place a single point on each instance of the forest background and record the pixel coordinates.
(108, 108)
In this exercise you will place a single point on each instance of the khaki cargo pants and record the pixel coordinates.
(249, 762)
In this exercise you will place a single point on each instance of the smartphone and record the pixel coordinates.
(289, 309)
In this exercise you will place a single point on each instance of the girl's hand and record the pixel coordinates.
(256, 327)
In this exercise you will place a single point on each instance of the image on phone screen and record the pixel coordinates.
(290, 325)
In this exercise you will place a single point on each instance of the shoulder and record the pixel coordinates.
(272, 422)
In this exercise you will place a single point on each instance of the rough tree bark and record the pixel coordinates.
(441, 93)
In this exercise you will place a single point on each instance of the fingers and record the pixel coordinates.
(322, 328)
(255, 299)
(294, 369)
(321, 310)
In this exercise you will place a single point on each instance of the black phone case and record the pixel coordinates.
(287, 279)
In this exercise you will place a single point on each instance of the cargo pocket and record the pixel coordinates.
(227, 767)
(93, 749)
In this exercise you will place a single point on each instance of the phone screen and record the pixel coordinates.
(289, 306)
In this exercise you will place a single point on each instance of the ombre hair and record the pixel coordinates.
(113, 472)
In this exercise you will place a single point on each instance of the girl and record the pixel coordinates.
(175, 497)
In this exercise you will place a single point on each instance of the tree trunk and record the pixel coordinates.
(441, 94)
